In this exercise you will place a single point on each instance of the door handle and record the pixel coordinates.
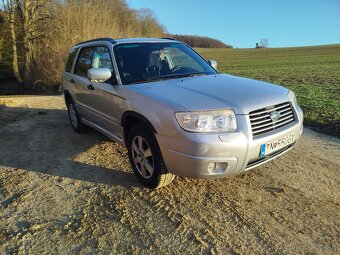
(90, 87)
(72, 81)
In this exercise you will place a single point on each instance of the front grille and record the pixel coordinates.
(261, 121)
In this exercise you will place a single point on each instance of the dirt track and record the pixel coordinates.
(63, 193)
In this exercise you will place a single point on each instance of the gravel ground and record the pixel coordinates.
(64, 193)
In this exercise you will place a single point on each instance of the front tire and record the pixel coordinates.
(146, 158)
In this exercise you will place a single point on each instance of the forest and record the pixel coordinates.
(200, 41)
(36, 35)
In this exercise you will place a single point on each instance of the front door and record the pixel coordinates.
(99, 100)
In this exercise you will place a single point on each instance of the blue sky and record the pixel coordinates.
(242, 23)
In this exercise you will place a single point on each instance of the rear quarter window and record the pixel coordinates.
(69, 62)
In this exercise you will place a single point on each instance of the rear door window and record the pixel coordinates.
(71, 56)
(84, 61)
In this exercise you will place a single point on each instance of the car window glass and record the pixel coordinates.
(70, 59)
(145, 62)
(101, 58)
(179, 58)
(84, 61)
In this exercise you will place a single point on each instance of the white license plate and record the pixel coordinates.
(276, 145)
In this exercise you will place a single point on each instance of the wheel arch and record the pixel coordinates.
(130, 118)
(67, 96)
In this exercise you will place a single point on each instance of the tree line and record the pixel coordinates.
(200, 41)
(36, 35)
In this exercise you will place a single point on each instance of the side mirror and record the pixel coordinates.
(99, 74)
(213, 63)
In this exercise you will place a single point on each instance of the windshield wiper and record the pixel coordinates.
(145, 80)
(165, 77)
(187, 75)
(190, 75)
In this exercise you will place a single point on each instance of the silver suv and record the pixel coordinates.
(174, 112)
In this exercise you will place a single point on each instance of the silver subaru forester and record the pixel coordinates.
(174, 112)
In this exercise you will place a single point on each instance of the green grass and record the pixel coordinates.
(313, 73)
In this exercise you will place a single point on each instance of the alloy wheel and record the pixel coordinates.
(142, 157)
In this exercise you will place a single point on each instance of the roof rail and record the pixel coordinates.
(99, 39)
(168, 38)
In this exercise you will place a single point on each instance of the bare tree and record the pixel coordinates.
(10, 9)
(149, 24)
(33, 15)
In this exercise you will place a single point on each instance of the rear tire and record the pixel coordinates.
(75, 118)
(146, 158)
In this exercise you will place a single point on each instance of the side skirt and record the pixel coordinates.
(104, 131)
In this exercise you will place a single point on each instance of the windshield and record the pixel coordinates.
(147, 62)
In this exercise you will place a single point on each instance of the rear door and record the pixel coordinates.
(81, 83)
(68, 76)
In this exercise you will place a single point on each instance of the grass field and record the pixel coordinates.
(313, 73)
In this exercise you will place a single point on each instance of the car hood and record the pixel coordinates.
(213, 92)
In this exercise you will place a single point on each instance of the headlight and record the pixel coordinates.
(207, 121)
(292, 97)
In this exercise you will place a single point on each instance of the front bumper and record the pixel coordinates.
(189, 154)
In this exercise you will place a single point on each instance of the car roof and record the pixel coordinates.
(128, 40)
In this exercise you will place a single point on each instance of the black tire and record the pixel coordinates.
(160, 176)
(75, 118)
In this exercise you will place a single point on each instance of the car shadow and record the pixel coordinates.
(42, 141)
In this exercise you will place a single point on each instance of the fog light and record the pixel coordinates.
(218, 168)
(211, 167)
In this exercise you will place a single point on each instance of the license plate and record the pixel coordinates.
(276, 145)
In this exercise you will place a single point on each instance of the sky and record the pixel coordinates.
(242, 23)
